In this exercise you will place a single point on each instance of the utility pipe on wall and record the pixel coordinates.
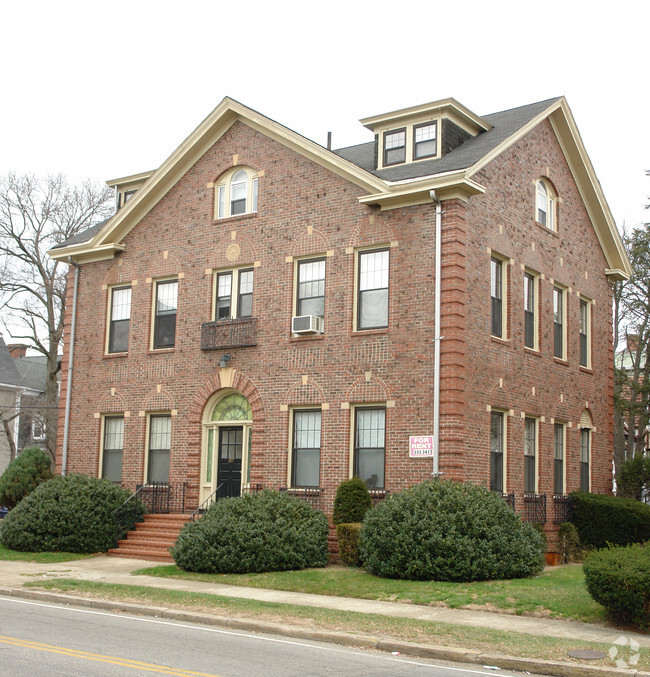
(436, 339)
(68, 392)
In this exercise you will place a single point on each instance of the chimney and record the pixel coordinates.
(17, 350)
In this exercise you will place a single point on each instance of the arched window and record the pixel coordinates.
(546, 205)
(236, 193)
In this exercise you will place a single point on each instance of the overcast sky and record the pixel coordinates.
(103, 90)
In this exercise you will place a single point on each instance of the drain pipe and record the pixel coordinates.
(436, 339)
(68, 392)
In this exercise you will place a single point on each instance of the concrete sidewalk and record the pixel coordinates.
(118, 570)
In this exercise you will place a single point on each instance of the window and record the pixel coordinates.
(530, 455)
(305, 462)
(113, 446)
(39, 428)
(234, 294)
(120, 317)
(372, 311)
(585, 443)
(585, 326)
(164, 335)
(425, 143)
(558, 462)
(530, 311)
(545, 205)
(497, 291)
(237, 193)
(160, 433)
(559, 344)
(310, 296)
(394, 147)
(497, 445)
(370, 445)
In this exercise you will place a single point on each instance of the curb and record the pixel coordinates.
(459, 655)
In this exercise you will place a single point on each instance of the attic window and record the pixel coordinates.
(236, 193)
(425, 143)
(395, 147)
(546, 205)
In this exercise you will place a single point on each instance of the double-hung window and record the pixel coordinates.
(530, 311)
(585, 443)
(559, 310)
(237, 193)
(370, 445)
(372, 300)
(394, 147)
(497, 293)
(234, 295)
(310, 293)
(305, 462)
(164, 334)
(113, 446)
(530, 455)
(160, 429)
(585, 326)
(425, 143)
(497, 446)
(558, 460)
(120, 317)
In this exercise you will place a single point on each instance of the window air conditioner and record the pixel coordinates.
(307, 324)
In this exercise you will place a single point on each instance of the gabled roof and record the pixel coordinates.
(9, 375)
(408, 184)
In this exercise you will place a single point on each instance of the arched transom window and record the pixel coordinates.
(236, 193)
(545, 213)
(233, 407)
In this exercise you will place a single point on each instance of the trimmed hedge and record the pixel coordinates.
(619, 579)
(347, 536)
(68, 514)
(602, 520)
(352, 502)
(23, 475)
(266, 531)
(448, 531)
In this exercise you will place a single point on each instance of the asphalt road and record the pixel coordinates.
(43, 640)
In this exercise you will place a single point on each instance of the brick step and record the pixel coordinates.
(159, 549)
(166, 518)
(146, 542)
(163, 532)
(141, 553)
(152, 538)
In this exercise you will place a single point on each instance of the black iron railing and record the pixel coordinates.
(509, 499)
(162, 497)
(534, 508)
(229, 333)
(127, 515)
(378, 495)
(311, 496)
(563, 508)
(219, 493)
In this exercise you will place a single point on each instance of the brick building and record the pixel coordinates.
(260, 311)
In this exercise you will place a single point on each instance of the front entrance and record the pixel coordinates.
(225, 454)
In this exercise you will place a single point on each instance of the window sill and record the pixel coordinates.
(159, 351)
(307, 337)
(532, 351)
(500, 341)
(112, 356)
(559, 360)
(367, 332)
(249, 215)
(586, 370)
(546, 229)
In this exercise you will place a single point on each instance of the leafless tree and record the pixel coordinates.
(35, 215)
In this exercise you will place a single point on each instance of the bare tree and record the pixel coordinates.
(35, 215)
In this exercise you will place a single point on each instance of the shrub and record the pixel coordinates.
(602, 520)
(448, 531)
(23, 475)
(569, 543)
(352, 502)
(348, 538)
(266, 531)
(619, 579)
(71, 514)
(633, 479)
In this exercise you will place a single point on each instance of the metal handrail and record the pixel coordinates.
(126, 516)
(206, 504)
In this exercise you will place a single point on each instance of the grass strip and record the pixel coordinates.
(439, 634)
(39, 557)
(559, 592)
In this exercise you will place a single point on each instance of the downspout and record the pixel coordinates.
(68, 393)
(437, 338)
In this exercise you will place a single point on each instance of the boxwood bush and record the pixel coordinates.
(448, 531)
(71, 514)
(351, 502)
(23, 475)
(602, 520)
(266, 531)
(619, 579)
(347, 536)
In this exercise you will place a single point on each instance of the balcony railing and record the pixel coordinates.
(310, 496)
(563, 508)
(229, 333)
(378, 495)
(534, 508)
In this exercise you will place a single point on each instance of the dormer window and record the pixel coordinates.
(237, 193)
(394, 147)
(425, 142)
(546, 205)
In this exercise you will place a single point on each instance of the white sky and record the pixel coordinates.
(103, 90)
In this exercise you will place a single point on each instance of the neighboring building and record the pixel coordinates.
(260, 311)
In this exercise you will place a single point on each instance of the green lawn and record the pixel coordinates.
(559, 592)
(40, 557)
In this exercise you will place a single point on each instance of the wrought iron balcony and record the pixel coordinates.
(563, 508)
(229, 333)
(534, 508)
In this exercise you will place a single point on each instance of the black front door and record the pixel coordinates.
(230, 453)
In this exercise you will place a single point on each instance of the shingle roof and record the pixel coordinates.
(504, 124)
(8, 373)
(83, 236)
(33, 370)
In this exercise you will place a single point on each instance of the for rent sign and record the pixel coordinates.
(421, 446)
